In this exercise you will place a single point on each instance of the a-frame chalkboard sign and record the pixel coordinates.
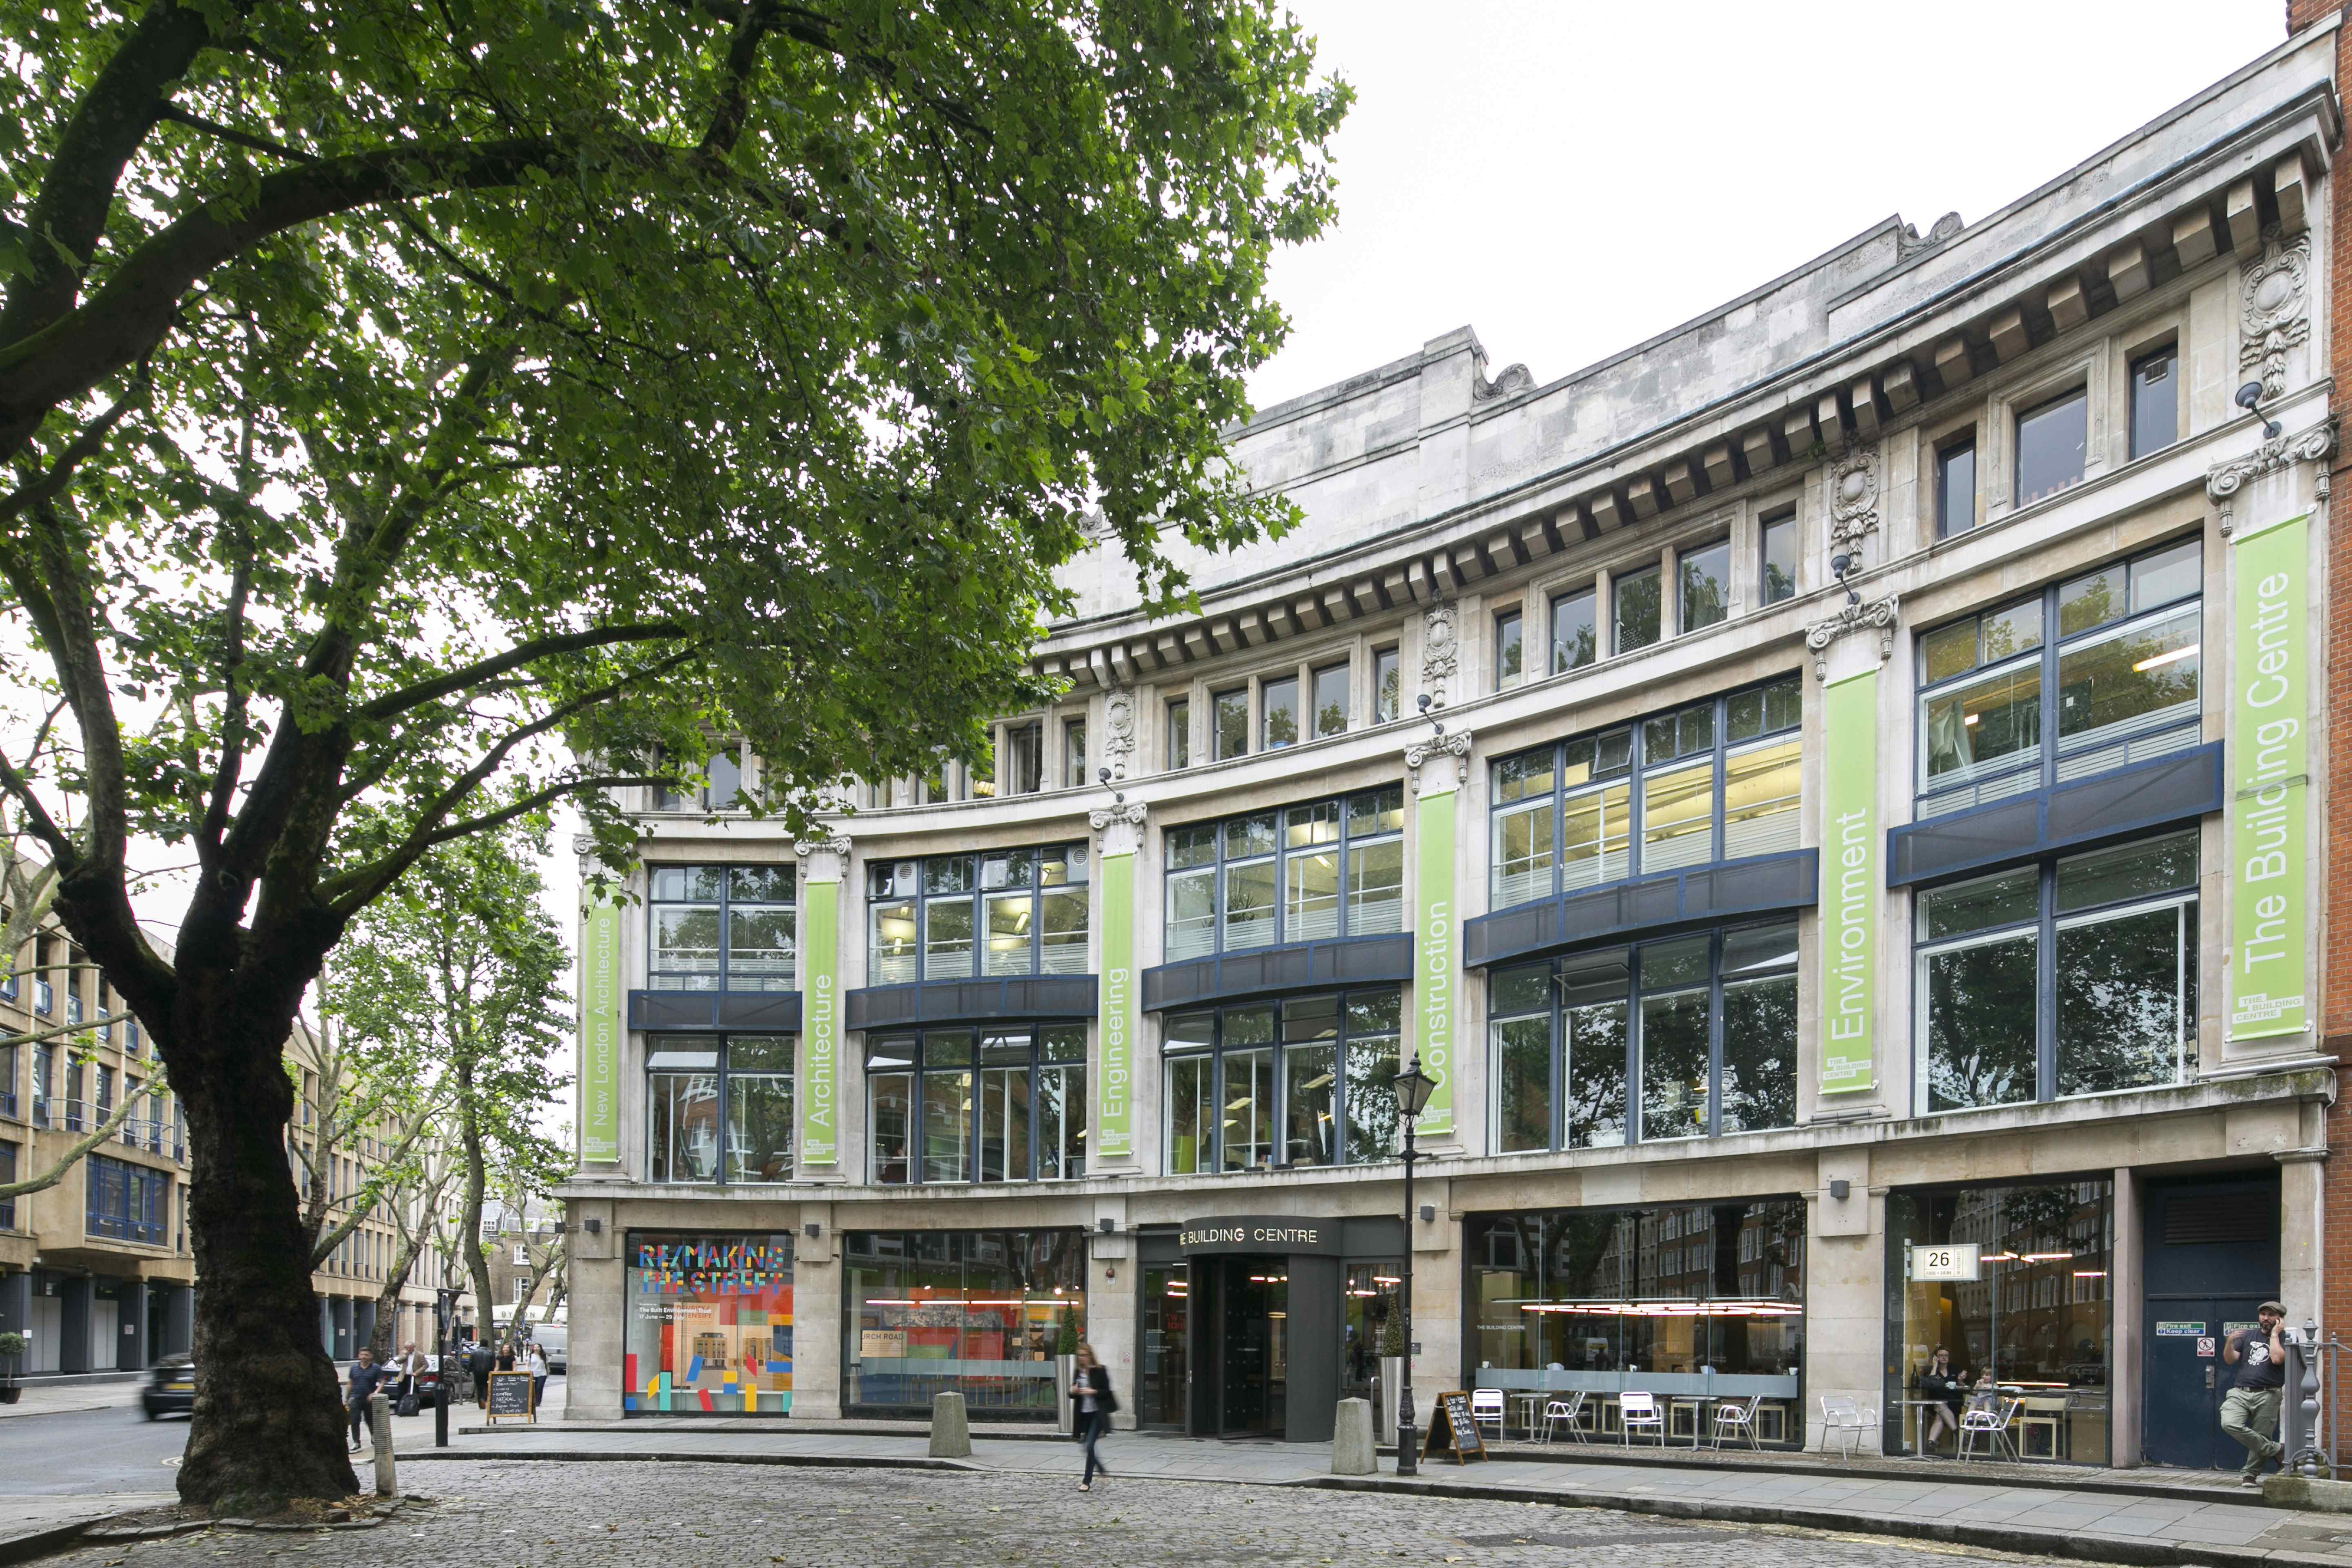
(1455, 1432)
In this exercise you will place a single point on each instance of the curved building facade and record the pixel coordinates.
(1828, 792)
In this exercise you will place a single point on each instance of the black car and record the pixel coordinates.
(171, 1388)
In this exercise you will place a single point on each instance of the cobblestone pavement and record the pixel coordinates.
(509, 1515)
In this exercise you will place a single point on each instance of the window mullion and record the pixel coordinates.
(1559, 1061)
(1559, 822)
(2045, 981)
(1633, 1043)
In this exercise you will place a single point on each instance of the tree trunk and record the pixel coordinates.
(267, 1426)
(469, 1133)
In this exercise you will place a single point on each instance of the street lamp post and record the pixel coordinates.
(1413, 1091)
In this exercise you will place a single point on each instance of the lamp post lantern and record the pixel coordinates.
(1413, 1087)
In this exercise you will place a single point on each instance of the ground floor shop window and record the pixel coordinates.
(2011, 1283)
(708, 1324)
(1163, 1378)
(979, 1105)
(1697, 1305)
(690, 1137)
(1681, 1038)
(978, 1314)
(2074, 976)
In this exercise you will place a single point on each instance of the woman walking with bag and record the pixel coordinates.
(1091, 1392)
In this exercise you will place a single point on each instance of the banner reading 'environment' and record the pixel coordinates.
(1850, 874)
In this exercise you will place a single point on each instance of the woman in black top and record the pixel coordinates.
(1938, 1383)
(1090, 1390)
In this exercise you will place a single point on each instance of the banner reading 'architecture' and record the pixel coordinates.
(820, 1018)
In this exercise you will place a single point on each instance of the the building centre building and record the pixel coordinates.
(1830, 791)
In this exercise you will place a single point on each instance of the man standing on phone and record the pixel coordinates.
(2249, 1411)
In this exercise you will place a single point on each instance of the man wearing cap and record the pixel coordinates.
(2249, 1411)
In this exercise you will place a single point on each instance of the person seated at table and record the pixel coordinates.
(1986, 1394)
(1938, 1384)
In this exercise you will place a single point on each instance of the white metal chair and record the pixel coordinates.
(1840, 1414)
(1565, 1412)
(1486, 1404)
(1993, 1423)
(1640, 1410)
(1737, 1417)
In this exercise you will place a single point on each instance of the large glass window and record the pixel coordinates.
(950, 1312)
(1956, 486)
(1278, 721)
(126, 1202)
(707, 1325)
(1229, 724)
(1679, 1038)
(1310, 1080)
(719, 1107)
(1693, 1304)
(952, 917)
(721, 928)
(1180, 734)
(1706, 584)
(1025, 747)
(1715, 780)
(1575, 637)
(1510, 664)
(1777, 568)
(2053, 442)
(978, 1105)
(1304, 873)
(1636, 608)
(1388, 685)
(1331, 699)
(2155, 402)
(2076, 976)
(2011, 1283)
(2124, 664)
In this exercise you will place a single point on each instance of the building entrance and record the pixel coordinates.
(1252, 1330)
(2211, 1259)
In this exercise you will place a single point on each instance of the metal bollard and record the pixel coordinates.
(380, 1431)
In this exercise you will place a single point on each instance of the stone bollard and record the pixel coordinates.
(950, 1431)
(1352, 1439)
(379, 1416)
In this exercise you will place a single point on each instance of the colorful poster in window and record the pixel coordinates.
(821, 1018)
(1849, 890)
(600, 1033)
(2269, 714)
(1435, 932)
(707, 1325)
(1114, 1130)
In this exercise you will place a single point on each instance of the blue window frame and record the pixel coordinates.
(1303, 873)
(723, 927)
(126, 1203)
(952, 917)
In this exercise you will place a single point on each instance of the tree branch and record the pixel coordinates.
(71, 1157)
(394, 703)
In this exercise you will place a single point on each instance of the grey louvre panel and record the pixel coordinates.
(2205, 1219)
(1021, 996)
(1373, 1236)
(1272, 971)
(1701, 896)
(776, 1012)
(2178, 788)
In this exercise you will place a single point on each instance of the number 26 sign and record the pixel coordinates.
(1953, 1260)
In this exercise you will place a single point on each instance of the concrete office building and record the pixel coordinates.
(1844, 917)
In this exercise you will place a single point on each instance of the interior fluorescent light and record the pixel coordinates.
(2173, 657)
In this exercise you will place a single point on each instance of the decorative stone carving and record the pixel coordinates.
(584, 847)
(1515, 379)
(832, 844)
(1857, 614)
(2224, 480)
(1131, 812)
(1853, 496)
(2273, 298)
(1119, 729)
(1456, 745)
(1440, 652)
(1907, 243)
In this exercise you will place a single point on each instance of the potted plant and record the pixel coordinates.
(1065, 1367)
(1391, 1369)
(11, 1345)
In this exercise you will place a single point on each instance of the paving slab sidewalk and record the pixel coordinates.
(2197, 1525)
(34, 1526)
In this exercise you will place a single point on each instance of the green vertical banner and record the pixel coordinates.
(1850, 836)
(600, 1033)
(2269, 700)
(1114, 1130)
(1434, 949)
(820, 1019)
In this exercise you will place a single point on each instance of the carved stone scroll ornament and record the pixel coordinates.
(2274, 300)
(1119, 729)
(1131, 812)
(832, 844)
(1853, 496)
(1515, 379)
(1874, 613)
(1456, 745)
(1440, 652)
(2224, 480)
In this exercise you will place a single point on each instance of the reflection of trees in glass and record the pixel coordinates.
(1673, 1065)
(1981, 1024)
(1759, 1055)
(2119, 1003)
(1596, 1074)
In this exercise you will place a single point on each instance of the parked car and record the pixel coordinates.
(171, 1388)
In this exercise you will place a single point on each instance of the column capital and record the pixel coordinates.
(824, 860)
(1120, 826)
(2315, 444)
(1456, 745)
(1857, 614)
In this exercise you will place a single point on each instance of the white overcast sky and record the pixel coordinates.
(1571, 178)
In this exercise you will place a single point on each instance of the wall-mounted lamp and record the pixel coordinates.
(1110, 1271)
(1118, 796)
(1839, 1187)
(813, 1230)
(2248, 397)
(1428, 1213)
(593, 1226)
(1435, 724)
(1107, 1224)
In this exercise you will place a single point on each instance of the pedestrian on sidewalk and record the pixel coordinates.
(2249, 1411)
(405, 1367)
(1939, 1384)
(480, 1362)
(1090, 1390)
(366, 1377)
(538, 1365)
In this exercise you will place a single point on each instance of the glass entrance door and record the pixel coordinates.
(1254, 1347)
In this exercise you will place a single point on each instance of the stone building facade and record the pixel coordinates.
(1828, 790)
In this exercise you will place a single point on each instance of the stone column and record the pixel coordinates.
(2125, 1283)
(2302, 1209)
(1113, 1281)
(1846, 1290)
(818, 1380)
(180, 1318)
(73, 1324)
(130, 1326)
(363, 1327)
(1116, 1137)
(16, 1302)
